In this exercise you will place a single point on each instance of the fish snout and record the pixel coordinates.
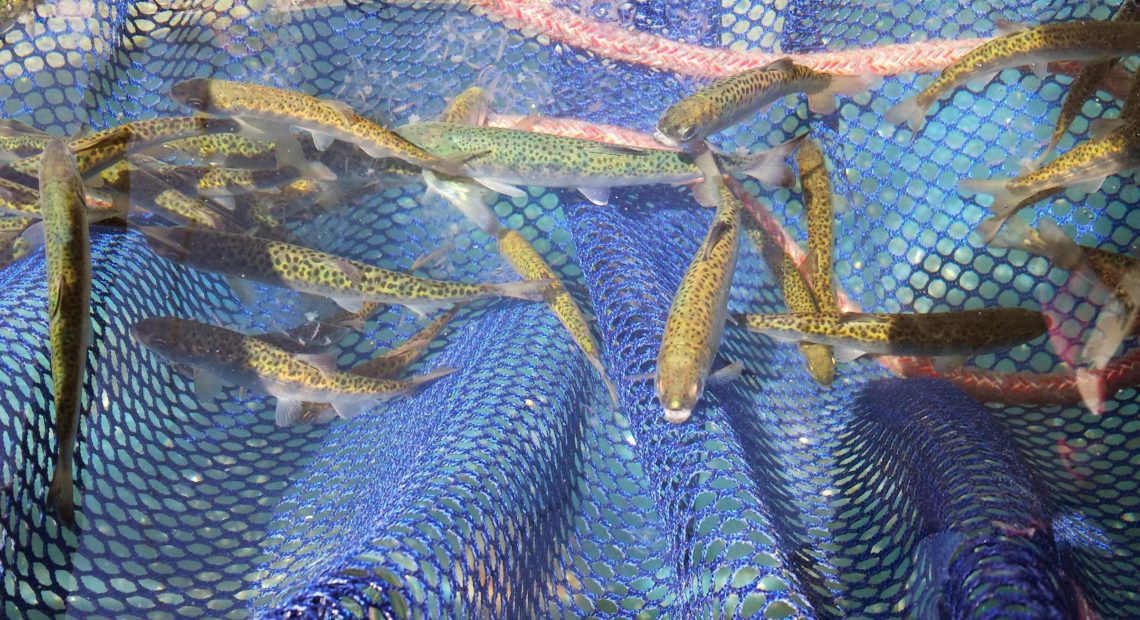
(665, 140)
(193, 92)
(676, 414)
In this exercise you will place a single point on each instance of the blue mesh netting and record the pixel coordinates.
(511, 489)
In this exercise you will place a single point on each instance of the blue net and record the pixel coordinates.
(512, 489)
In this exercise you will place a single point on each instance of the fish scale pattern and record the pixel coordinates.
(510, 488)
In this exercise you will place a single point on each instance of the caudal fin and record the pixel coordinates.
(824, 102)
(770, 167)
(530, 290)
(1048, 241)
(1005, 202)
(469, 197)
(60, 495)
(419, 381)
(909, 111)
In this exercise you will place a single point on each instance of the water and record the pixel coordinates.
(512, 488)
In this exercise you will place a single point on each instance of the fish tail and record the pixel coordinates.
(824, 102)
(530, 290)
(1100, 127)
(908, 111)
(1004, 204)
(468, 197)
(60, 494)
(769, 167)
(596, 362)
(1047, 240)
(417, 382)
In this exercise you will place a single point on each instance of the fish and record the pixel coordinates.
(696, 318)
(730, 100)
(819, 210)
(347, 282)
(215, 181)
(222, 356)
(500, 158)
(19, 146)
(68, 250)
(386, 365)
(17, 11)
(1017, 46)
(1130, 111)
(131, 184)
(957, 334)
(1085, 85)
(325, 120)
(225, 149)
(527, 263)
(95, 152)
(470, 107)
(12, 245)
(1084, 167)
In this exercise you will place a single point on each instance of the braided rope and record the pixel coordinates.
(612, 41)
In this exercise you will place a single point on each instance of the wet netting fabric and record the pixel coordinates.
(512, 489)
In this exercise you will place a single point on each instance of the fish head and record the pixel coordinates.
(820, 363)
(169, 242)
(680, 125)
(193, 92)
(178, 341)
(679, 390)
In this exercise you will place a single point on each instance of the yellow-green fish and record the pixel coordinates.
(696, 317)
(12, 245)
(1130, 111)
(853, 334)
(18, 146)
(730, 100)
(1050, 241)
(226, 149)
(68, 251)
(1085, 84)
(500, 158)
(12, 11)
(132, 184)
(325, 120)
(96, 152)
(1018, 46)
(820, 213)
(345, 281)
(470, 107)
(218, 181)
(221, 356)
(1084, 167)
(388, 364)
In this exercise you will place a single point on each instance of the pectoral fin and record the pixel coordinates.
(348, 409)
(597, 195)
(727, 374)
(844, 355)
(502, 188)
(207, 386)
(288, 412)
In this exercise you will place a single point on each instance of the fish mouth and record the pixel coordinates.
(665, 140)
(678, 416)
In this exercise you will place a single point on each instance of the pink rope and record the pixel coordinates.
(612, 41)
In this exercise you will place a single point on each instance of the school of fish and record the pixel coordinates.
(219, 185)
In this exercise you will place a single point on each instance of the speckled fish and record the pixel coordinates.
(386, 365)
(345, 281)
(1036, 46)
(696, 317)
(500, 158)
(1085, 84)
(1050, 241)
(1084, 167)
(68, 251)
(135, 185)
(325, 120)
(818, 209)
(730, 100)
(1129, 112)
(953, 334)
(19, 146)
(527, 262)
(225, 149)
(11, 246)
(218, 181)
(219, 355)
(13, 11)
(470, 107)
(96, 152)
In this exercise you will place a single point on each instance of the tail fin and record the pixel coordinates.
(530, 290)
(596, 362)
(1048, 241)
(60, 494)
(1005, 202)
(419, 381)
(467, 196)
(824, 101)
(1101, 127)
(910, 112)
(769, 167)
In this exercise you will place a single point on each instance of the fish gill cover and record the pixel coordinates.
(512, 488)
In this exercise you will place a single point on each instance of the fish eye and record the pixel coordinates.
(687, 132)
